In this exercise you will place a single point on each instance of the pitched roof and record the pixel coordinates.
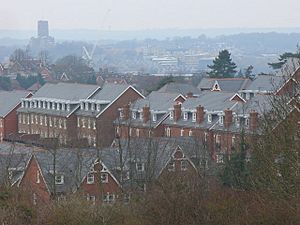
(157, 101)
(225, 84)
(110, 92)
(179, 88)
(66, 91)
(266, 83)
(10, 99)
(211, 101)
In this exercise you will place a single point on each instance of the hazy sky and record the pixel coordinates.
(149, 14)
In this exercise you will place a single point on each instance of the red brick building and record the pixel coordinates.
(10, 101)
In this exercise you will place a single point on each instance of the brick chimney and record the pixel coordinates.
(126, 110)
(200, 114)
(146, 113)
(253, 120)
(228, 119)
(190, 95)
(177, 112)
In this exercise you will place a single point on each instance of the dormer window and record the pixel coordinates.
(194, 117)
(68, 107)
(58, 106)
(81, 105)
(172, 115)
(92, 106)
(98, 107)
(141, 116)
(63, 106)
(183, 165)
(134, 115)
(154, 117)
(59, 179)
(185, 116)
(221, 120)
(86, 106)
(209, 118)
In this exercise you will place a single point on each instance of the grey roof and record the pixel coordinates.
(226, 84)
(211, 101)
(110, 92)
(10, 99)
(157, 101)
(179, 88)
(73, 165)
(259, 103)
(66, 91)
(266, 83)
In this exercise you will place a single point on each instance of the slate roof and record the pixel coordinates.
(157, 101)
(10, 99)
(211, 101)
(109, 92)
(266, 83)
(66, 91)
(73, 165)
(226, 84)
(179, 88)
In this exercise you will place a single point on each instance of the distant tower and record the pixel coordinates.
(43, 30)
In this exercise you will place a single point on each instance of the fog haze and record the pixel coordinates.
(146, 14)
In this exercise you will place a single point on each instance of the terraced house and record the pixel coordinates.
(51, 111)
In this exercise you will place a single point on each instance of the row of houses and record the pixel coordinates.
(107, 142)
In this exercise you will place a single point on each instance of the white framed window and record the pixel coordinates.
(94, 124)
(59, 179)
(247, 122)
(168, 132)
(237, 121)
(185, 116)
(104, 178)
(36, 119)
(133, 115)
(54, 121)
(90, 178)
(183, 165)
(220, 158)
(181, 132)
(108, 198)
(154, 117)
(172, 115)
(130, 132)
(60, 123)
(140, 167)
(19, 118)
(89, 123)
(190, 133)
(171, 166)
(34, 199)
(78, 121)
(28, 119)
(233, 140)
(121, 114)
(118, 130)
(209, 118)
(194, 116)
(91, 198)
(205, 136)
(65, 124)
(137, 132)
(50, 121)
(221, 120)
(83, 122)
(45, 122)
(38, 180)
(218, 139)
(141, 115)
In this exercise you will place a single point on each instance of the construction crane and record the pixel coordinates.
(88, 56)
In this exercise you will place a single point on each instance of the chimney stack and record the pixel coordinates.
(126, 110)
(228, 118)
(253, 120)
(146, 113)
(199, 114)
(177, 112)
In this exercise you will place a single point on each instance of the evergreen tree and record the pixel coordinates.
(249, 72)
(222, 65)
